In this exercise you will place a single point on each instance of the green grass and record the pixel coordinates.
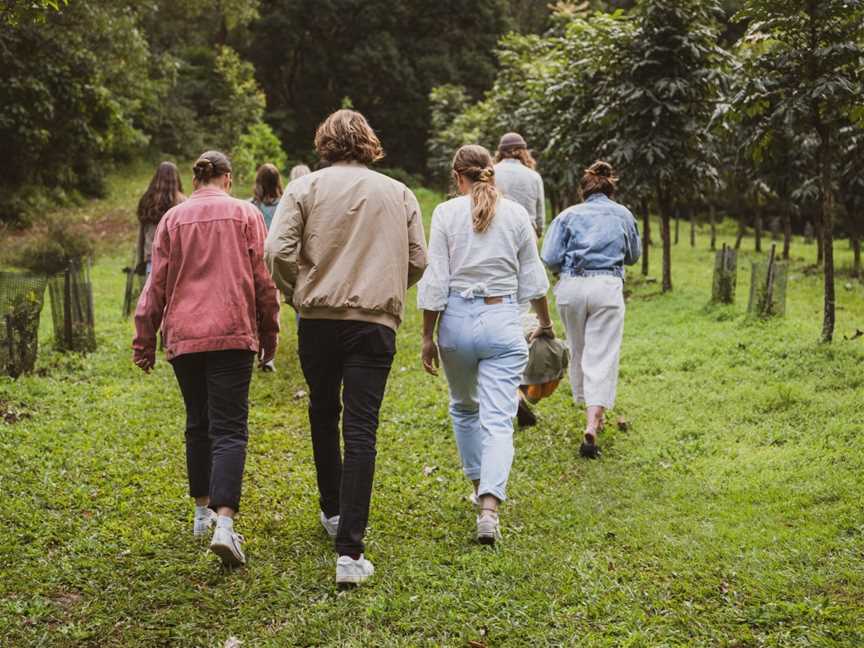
(728, 514)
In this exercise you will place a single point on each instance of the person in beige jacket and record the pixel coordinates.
(345, 245)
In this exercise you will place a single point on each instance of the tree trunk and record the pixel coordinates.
(787, 232)
(646, 235)
(712, 218)
(827, 206)
(665, 208)
(677, 223)
(856, 256)
(742, 229)
(692, 227)
(820, 238)
(757, 228)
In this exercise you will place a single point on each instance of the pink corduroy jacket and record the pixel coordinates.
(208, 289)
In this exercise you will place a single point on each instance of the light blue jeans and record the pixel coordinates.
(483, 352)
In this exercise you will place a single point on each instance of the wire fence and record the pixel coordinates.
(72, 308)
(22, 296)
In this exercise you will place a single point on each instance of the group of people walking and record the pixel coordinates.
(343, 245)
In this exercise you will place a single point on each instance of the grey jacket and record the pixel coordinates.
(524, 186)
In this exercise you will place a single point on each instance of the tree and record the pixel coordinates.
(810, 73)
(387, 56)
(852, 188)
(659, 108)
(74, 95)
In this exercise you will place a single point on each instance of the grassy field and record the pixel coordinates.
(729, 513)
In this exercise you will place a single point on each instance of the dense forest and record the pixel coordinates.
(86, 84)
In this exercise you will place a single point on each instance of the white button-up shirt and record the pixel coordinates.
(525, 186)
(501, 261)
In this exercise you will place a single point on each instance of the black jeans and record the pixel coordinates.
(353, 358)
(215, 388)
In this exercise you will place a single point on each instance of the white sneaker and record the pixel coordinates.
(205, 518)
(488, 529)
(475, 501)
(269, 366)
(331, 525)
(353, 572)
(228, 545)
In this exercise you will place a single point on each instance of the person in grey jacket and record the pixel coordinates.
(517, 179)
(588, 245)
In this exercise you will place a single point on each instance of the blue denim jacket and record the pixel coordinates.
(597, 237)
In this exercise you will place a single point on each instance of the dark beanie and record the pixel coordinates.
(511, 141)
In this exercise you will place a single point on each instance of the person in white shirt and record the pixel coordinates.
(517, 180)
(483, 262)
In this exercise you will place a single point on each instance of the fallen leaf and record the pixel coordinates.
(428, 470)
(300, 394)
(623, 424)
(232, 642)
(858, 333)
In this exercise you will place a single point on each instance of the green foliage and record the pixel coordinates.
(54, 248)
(23, 11)
(72, 92)
(454, 122)
(386, 56)
(258, 145)
(238, 103)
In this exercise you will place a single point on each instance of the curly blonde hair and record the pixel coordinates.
(346, 136)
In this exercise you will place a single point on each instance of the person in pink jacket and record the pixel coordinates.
(212, 297)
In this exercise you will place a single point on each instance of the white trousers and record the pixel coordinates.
(592, 310)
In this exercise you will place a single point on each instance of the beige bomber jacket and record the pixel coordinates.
(346, 243)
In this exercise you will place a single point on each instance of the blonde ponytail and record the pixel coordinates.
(475, 163)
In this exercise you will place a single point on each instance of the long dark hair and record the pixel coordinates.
(165, 191)
(268, 184)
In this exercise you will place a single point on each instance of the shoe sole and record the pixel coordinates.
(226, 555)
(486, 540)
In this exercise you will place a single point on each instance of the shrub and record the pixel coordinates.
(54, 248)
(257, 145)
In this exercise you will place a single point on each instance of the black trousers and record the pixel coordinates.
(215, 388)
(351, 359)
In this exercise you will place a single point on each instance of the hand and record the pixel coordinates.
(145, 361)
(542, 331)
(431, 361)
(266, 354)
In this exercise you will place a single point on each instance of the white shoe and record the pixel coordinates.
(353, 572)
(488, 529)
(331, 525)
(228, 545)
(475, 501)
(205, 518)
(268, 366)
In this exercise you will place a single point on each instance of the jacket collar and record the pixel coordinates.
(208, 191)
(598, 196)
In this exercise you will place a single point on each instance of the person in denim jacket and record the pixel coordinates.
(588, 245)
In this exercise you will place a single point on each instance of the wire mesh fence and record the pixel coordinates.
(72, 308)
(768, 287)
(22, 296)
(725, 276)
